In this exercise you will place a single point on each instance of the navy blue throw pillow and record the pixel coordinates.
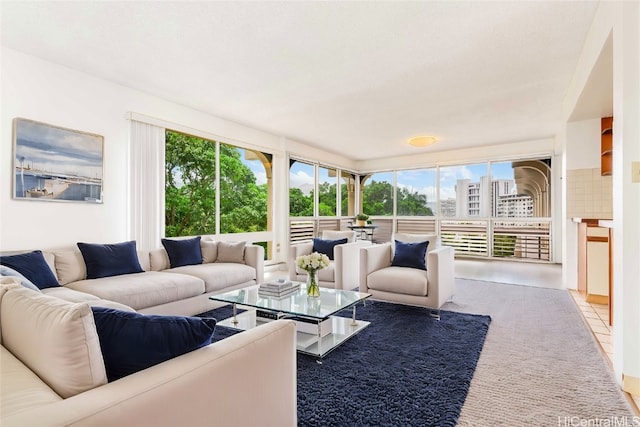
(183, 252)
(326, 246)
(131, 342)
(33, 266)
(110, 260)
(410, 254)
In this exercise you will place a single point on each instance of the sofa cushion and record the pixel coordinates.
(72, 295)
(142, 290)
(410, 255)
(326, 246)
(231, 252)
(218, 275)
(327, 274)
(132, 342)
(34, 267)
(399, 280)
(110, 259)
(183, 251)
(22, 390)
(10, 272)
(56, 339)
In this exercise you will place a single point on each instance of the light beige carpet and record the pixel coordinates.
(540, 365)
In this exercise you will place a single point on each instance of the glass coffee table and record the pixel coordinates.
(319, 329)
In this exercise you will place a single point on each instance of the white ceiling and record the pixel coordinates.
(357, 78)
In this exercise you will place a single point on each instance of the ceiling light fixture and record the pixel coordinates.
(422, 141)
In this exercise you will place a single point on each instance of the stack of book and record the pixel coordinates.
(278, 288)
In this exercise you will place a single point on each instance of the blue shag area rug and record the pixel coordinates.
(405, 369)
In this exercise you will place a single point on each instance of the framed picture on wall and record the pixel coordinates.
(52, 163)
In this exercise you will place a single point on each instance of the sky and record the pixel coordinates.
(58, 150)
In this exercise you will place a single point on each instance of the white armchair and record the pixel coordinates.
(342, 272)
(406, 285)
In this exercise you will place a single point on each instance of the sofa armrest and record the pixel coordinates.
(254, 257)
(373, 258)
(347, 263)
(441, 273)
(213, 385)
(295, 251)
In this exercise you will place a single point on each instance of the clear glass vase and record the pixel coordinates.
(313, 290)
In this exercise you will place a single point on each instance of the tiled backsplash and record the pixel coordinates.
(589, 195)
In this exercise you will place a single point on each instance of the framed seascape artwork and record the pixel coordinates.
(51, 163)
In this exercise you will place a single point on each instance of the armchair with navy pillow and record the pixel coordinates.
(343, 251)
(412, 269)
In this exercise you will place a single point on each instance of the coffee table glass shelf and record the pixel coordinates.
(311, 314)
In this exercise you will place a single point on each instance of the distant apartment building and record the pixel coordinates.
(491, 199)
(515, 206)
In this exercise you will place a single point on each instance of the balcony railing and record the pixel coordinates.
(512, 238)
(466, 237)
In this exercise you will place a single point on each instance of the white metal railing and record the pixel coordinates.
(506, 238)
(468, 237)
(524, 238)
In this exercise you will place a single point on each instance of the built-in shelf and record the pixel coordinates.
(606, 146)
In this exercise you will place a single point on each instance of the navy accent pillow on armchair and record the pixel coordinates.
(183, 251)
(110, 260)
(33, 266)
(410, 254)
(131, 342)
(326, 246)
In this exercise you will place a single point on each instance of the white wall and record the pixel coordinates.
(583, 144)
(42, 91)
(622, 19)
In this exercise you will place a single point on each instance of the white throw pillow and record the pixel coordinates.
(231, 252)
(209, 251)
(56, 339)
(70, 266)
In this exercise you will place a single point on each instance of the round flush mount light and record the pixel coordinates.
(422, 141)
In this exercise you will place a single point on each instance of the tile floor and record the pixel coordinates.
(597, 317)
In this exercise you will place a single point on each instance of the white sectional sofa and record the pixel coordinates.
(160, 289)
(53, 373)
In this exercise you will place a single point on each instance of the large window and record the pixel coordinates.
(377, 191)
(327, 197)
(521, 189)
(190, 187)
(464, 191)
(416, 193)
(301, 185)
(243, 190)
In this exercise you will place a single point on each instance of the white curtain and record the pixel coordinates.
(146, 166)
